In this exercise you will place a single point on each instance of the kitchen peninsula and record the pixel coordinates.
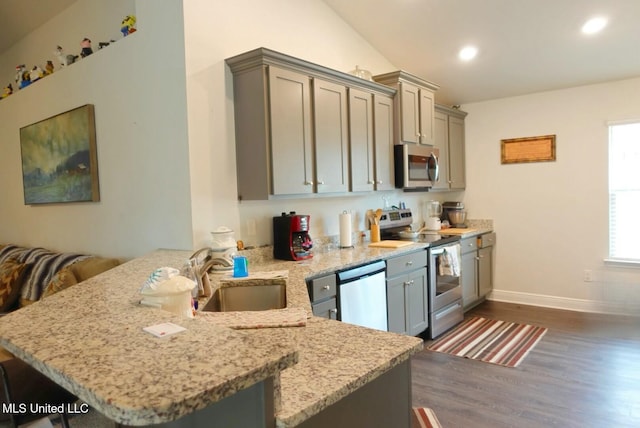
(89, 339)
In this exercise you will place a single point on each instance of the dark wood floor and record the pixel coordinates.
(585, 372)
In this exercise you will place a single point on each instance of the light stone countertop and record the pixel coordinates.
(89, 339)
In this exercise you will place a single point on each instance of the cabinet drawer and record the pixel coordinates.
(326, 309)
(487, 240)
(406, 263)
(468, 244)
(323, 287)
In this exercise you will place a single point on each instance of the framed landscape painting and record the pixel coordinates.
(59, 159)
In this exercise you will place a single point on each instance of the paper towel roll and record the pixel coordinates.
(345, 230)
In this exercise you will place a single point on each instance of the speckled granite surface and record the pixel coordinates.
(89, 339)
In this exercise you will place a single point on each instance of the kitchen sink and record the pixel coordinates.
(260, 297)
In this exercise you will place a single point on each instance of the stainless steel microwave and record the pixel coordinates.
(416, 167)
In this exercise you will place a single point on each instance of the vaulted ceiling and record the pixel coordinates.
(525, 46)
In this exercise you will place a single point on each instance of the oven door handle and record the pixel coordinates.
(438, 251)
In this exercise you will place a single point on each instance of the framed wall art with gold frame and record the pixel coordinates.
(528, 149)
(59, 159)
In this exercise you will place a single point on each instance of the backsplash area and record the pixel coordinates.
(324, 244)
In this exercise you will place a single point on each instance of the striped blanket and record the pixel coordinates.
(44, 265)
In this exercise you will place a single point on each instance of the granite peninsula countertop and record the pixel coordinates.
(89, 339)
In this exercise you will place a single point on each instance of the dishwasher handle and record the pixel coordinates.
(361, 272)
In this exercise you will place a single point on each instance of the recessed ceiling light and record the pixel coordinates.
(468, 53)
(594, 25)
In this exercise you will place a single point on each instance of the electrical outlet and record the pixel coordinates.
(588, 275)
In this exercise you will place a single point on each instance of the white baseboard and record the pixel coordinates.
(566, 303)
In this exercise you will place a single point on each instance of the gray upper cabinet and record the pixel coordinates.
(450, 140)
(414, 105)
(291, 144)
(361, 140)
(331, 141)
(304, 129)
(383, 136)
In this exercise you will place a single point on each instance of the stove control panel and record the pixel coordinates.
(396, 218)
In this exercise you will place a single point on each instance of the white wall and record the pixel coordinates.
(552, 217)
(137, 86)
(220, 29)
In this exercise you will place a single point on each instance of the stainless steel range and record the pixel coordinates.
(445, 289)
(444, 268)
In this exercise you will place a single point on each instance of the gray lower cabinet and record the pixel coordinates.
(322, 293)
(407, 293)
(477, 268)
(450, 140)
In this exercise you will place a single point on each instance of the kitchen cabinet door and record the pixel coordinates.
(469, 278)
(457, 180)
(416, 303)
(426, 117)
(396, 313)
(361, 140)
(383, 142)
(331, 140)
(291, 141)
(441, 142)
(485, 271)
(409, 113)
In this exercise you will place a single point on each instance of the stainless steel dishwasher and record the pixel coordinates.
(362, 296)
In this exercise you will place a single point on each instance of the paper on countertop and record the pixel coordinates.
(164, 329)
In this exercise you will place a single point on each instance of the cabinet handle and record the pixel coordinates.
(418, 135)
(370, 182)
(409, 263)
(320, 182)
(326, 287)
(333, 311)
(308, 183)
(477, 258)
(379, 182)
(450, 182)
(471, 244)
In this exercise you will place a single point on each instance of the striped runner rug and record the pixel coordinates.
(498, 342)
(424, 417)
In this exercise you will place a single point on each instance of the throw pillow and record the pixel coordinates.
(63, 279)
(11, 274)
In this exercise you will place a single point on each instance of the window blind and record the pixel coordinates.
(624, 191)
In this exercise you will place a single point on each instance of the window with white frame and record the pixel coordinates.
(624, 191)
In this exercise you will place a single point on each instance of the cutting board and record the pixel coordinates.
(456, 231)
(390, 244)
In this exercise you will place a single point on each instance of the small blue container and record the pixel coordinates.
(240, 267)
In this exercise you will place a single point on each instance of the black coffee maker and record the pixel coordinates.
(291, 240)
